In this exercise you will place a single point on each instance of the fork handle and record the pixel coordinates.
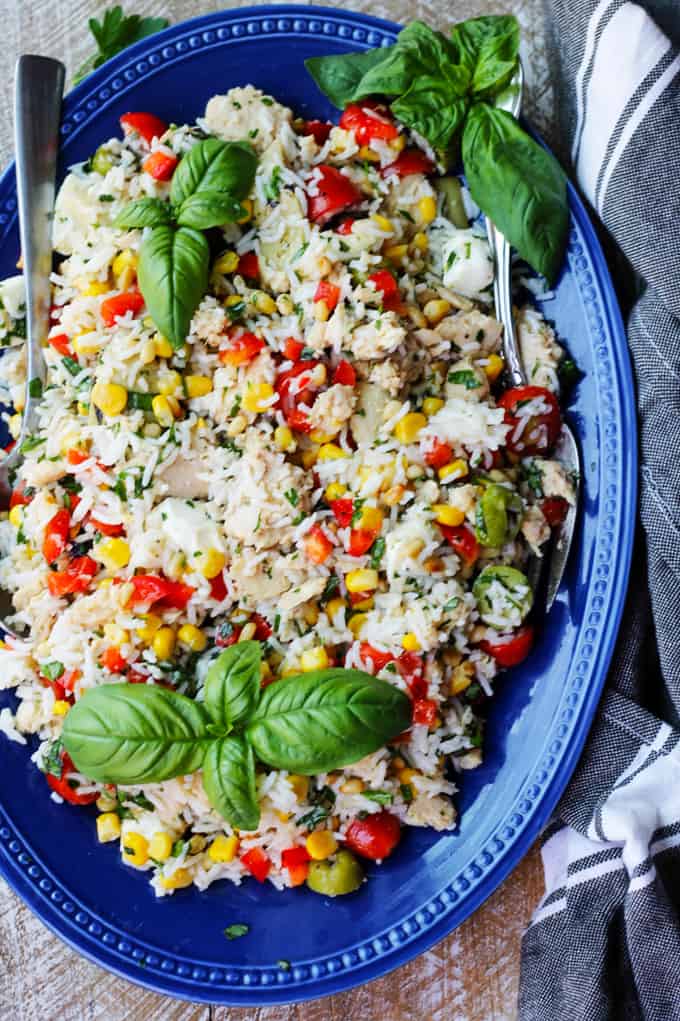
(38, 91)
(500, 250)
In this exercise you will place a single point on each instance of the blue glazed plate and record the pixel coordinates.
(542, 711)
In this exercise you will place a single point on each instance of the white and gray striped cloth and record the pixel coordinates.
(604, 943)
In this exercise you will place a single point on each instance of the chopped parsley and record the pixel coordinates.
(377, 551)
(31, 443)
(272, 188)
(382, 797)
(406, 792)
(292, 496)
(236, 930)
(464, 377)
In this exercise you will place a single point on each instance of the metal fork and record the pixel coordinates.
(38, 91)
(566, 449)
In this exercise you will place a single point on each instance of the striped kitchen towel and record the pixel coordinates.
(604, 943)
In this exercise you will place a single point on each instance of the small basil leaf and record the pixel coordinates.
(135, 733)
(326, 719)
(144, 213)
(229, 782)
(206, 209)
(433, 108)
(232, 684)
(339, 77)
(173, 277)
(519, 185)
(213, 165)
(488, 47)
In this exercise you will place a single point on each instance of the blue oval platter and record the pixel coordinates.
(539, 717)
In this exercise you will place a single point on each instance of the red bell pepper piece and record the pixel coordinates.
(463, 541)
(346, 226)
(151, 590)
(509, 650)
(218, 588)
(410, 161)
(296, 860)
(329, 293)
(75, 578)
(360, 541)
(249, 266)
(375, 658)
(375, 836)
(56, 535)
(387, 285)
(61, 345)
(105, 528)
(318, 546)
(242, 349)
(319, 129)
(292, 349)
(19, 497)
(343, 510)
(160, 165)
(368, 120)
(438, 455)
(344, 373)
(333, 193)
(119, 305)
(257, 863)
(147, 125)
(537, 434)
(112, 660)
(424, 711)
(295, 387)
(555, 510)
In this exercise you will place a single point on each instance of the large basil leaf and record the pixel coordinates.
(173, 277)
(232, 684)
(326, 719)
(339, 77)
(135, 733)
(433, 110)
(229, 782)
(213, 165)
(206, 209)
(519, 185)
(488, 47)
(144, 213)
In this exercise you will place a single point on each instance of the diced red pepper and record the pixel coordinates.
(249, 266)
(105, 528)
(56, 535)
(227, 634)
(328, 293)
(218, 588)
(438, 454)
(369, 120)
(112, 660)
(386, 284)
(463, 541)
(70, 678)
(292, 349)
(136, 676)
(319, 129)
(296, 860)
(375, 658)
(56, 686)
(333, 193)
(151, 590)
(75, 578)
(19, 497)
(63, 788)
(257, 863)
(119, 305)
(375, 836)
(242, 349)
(555, 510)
(360, 541)
(318, 546)
(160, 165)
(75, 456)
(299, 380)
(412, 669)
(539, 432)
(343, 509)
(511, 649)
(344, 373)
(358, 597)
(263, 629)
(346, 226)
(410, 161)
(424, 711)
(147, 125)
(73, 501)
(61, 345)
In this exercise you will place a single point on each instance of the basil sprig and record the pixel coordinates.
(206, 191)
(444, 88)
(311, 723)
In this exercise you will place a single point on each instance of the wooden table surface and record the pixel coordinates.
(471, 976)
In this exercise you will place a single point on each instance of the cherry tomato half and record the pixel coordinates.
(333, 193)
(375, 836)
(369, 120)
(511, 649)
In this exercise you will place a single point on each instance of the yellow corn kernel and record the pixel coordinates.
(93, 288)
(116, 634)
(321, 844)
(60, 707)
(179, 879)
(248, 211)
(394, 495)
(226, 263)
(108, 827)
(283, 816)
(87, 342)
(321, 311)
(493, 368)
(135, 849)
(427, 209)
(462, 677)
(82, 408)
(163, 643)
(454, 470)
(285, 305)
(233, 300)
(309, 456)
(169, 383)
(16, 515)
(223, 849)
(300, 785)
(152, 622)
(197, 844)
(124, 268)
(113, 553)
(314, 659)
(370, 519)
(445, 514)
(162, 410)
(15, 426)
(352, 786)
(211, 563)
(395, 252)
(238, 425)
(160, 846)
(284, 439)
(105, 803)
(397, 143)
(258, 397)
(247, 632)
(110, 398)
(382, 222)
(197, 386)
(162, 346)
(356, 623)
(334, 491)
(264, 303)
(192, 637)
(420, 241)
(319, 436)
(409, 427)
(410, 642)
(334, 607)
(436, 309)
(331, 452)
(366, 153)
(431, 405)
(364, 579)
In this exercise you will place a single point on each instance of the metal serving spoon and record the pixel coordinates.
(566, 449)
(38, 91)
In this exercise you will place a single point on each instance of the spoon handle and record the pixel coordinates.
(38, 90)
(500, 251)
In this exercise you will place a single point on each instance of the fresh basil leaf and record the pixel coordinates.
(382, 797)
(229, 782)
(232, 684)
(519, 185)
(489, 48)
(420, 51)
(135, 733)
(173, 277)
(236, 930)
(320, 721)
(433, 108)
(115, 32)
(144, 213)
(206, 209)
(339, 77)
(213, 165)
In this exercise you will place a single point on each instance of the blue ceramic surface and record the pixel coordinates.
(542, 711)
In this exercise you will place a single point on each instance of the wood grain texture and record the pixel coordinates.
(471, 976)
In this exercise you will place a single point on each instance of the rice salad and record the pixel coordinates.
(328, 464)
